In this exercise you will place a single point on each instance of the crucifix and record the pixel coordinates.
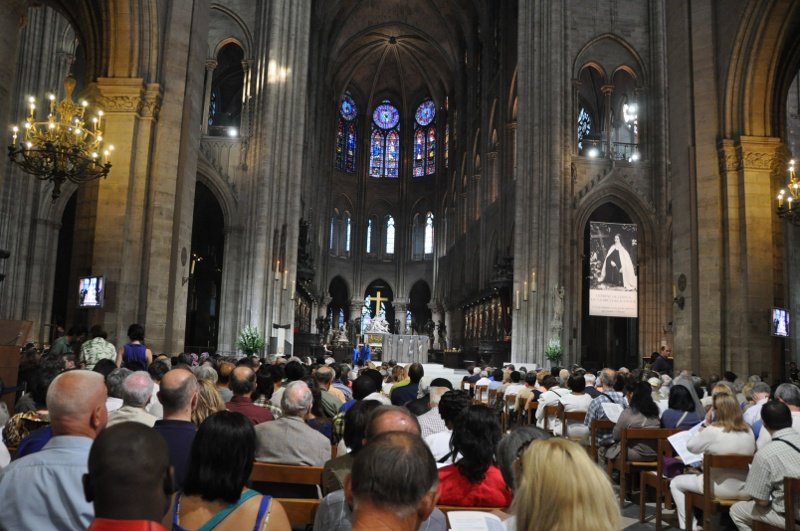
(377, 299)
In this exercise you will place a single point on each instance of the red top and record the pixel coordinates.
(455, 489)
(109, 524)
(245, 406)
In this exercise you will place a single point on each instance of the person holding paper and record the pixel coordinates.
(608, 394)
(728, 434)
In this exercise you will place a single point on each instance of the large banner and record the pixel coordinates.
(613, 267)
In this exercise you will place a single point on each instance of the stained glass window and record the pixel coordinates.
(389, 235)
(584, 127)
(346, 138)
(429, 233)
(384, 158)
(332, 245)
(424, 140)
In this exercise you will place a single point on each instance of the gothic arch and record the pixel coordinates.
(244, 40)
(765, 50)
(221, 190)
(615, 52)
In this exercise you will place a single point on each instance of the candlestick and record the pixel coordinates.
(533, 281)
(525, 291)
(285, 278)
(291, 294)
(516, 300)
(278, 270)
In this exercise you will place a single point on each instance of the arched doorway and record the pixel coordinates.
(610, 306)
(418, 299)
(340, 302)
(381, 297)
(205, 272)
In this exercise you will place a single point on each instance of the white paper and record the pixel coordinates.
(678, 442)
(612, 411)
(474, 521)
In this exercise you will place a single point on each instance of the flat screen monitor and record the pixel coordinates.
(91, 291)
(779, 322)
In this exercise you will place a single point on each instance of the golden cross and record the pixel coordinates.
(378, 300)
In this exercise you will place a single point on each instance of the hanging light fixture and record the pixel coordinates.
(789, 197)
(62, 148)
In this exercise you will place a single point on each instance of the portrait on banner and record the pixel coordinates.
(613, 269)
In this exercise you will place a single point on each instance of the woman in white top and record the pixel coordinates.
(577, 400)
(727, 434)
(549, 397)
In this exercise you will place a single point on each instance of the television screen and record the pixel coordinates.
(780, 322)
(90, 292)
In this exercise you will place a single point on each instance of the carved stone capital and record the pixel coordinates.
(761, 153)
(730, 157)
(211, 65)
(118, 95)
(151, 104)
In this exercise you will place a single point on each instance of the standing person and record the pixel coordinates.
(135, 352)
(97, 348)
(66, 344)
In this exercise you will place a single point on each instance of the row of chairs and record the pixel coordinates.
(301, 511)
(652, 476)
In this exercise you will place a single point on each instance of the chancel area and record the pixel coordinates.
(453, 186)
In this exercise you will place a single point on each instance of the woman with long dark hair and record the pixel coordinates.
(475, 479)
(681, 413)
(214, 494)
(642, 412)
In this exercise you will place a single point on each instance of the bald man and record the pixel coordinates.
(178, 396)
(44, 490)
(242, 384)
(134, 491)
(334, 513)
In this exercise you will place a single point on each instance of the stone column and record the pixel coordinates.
(14, 17)
(436, 316)
(607, 91)
(275, 159)
(400, 309)
(211, 65)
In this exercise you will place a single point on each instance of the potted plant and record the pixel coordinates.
(553, 351)
(251, 341)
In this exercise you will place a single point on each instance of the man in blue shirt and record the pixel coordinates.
(178, 395)
(44, 490)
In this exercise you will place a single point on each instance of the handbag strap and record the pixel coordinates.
(787, 442)
(681, 419)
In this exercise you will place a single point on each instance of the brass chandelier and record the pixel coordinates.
(789, 197)
(62, 148)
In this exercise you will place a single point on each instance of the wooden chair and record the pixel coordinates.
(492, 397)
(709, 503)
(508, 412)
(301, 511)
(627, 466)
(481, 391)
(569, 416)
(597, 425)
(791, 489)
(655, 478)
(549, 411)
(279, 479)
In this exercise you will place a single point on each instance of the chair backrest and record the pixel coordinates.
(566, 416)
(598, 424)
(734, 461)
(791, 489)
(481, 394)
(549, 411)
(301, 511)
(492, 397)
(290, 474)
(447, 508)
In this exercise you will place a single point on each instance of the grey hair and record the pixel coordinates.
(607, 377)
(137, 389)
(206, 372)
(114, 381)
(324, 375)
(296, 399)
(509, 446)
(761, 387)
(590, 379)
(788, 393)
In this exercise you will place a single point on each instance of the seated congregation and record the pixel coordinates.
(138, 441)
